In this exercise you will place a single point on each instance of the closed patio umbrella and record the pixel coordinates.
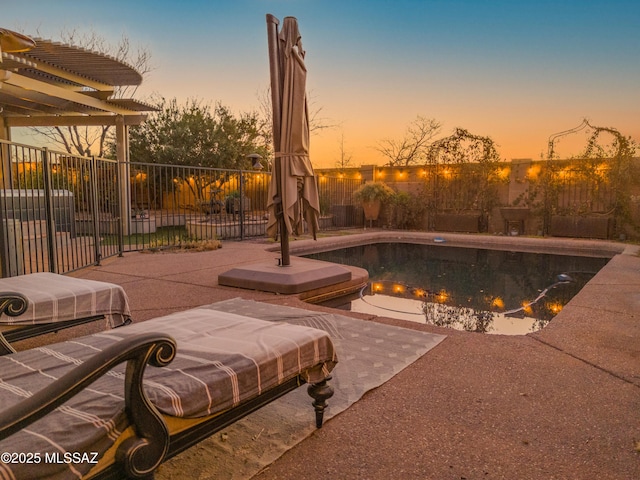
(293, 193)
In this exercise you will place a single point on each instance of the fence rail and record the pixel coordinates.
(173, 204)
(63, 212)
(337, 207)
(50, 205)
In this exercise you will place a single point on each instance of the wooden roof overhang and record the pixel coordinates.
(53, 84)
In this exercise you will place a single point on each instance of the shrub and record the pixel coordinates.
(371, 191)
(407, 211)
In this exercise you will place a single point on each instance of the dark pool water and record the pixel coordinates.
(488, 291)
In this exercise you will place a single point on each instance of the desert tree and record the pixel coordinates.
(412, 148)
(194, 134)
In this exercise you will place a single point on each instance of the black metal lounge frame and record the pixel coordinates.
(14, 304)
(153, 443)
(36, 330)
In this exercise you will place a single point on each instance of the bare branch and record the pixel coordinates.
(410, 149)
(345, 158)
(81, 140)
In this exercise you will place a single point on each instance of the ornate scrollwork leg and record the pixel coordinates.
(11, 304)
(320, 392)
(141, 455)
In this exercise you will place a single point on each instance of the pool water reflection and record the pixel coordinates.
(488, 291)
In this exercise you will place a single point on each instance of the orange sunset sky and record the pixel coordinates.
(515, 71)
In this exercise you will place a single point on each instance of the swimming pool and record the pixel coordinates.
(473, 289)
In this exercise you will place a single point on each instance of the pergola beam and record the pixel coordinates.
(30, 85)
(68, 121)
(72, 77)
(58, 85)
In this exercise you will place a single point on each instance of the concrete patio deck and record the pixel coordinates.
(562, 403)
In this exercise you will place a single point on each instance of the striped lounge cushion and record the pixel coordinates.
(57, 298)
(222, 360)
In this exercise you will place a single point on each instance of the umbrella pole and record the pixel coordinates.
(276, 101)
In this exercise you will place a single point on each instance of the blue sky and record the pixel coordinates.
(517, 72)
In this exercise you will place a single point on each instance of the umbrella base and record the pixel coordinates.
(301, 276)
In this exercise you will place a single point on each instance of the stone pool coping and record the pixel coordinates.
(593, 248)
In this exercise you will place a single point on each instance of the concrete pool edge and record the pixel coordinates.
(564, 246)
(561, 246)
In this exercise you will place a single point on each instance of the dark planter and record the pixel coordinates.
(371, 209)
(515, 214)
(325, 222)
(458, 222)
(581, 227)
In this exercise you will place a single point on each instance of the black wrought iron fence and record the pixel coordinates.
(338, 209)
(173, 204)
(62, 212)
(582, 188)
(51, 204)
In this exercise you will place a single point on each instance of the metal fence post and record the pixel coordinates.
(5, 239)
(120, 200)
(51, 223)
(241, 205)
(93, 178)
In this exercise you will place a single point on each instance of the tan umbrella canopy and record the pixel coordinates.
(293, 193)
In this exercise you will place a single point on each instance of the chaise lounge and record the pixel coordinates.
(55, 302)
(80, 409)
